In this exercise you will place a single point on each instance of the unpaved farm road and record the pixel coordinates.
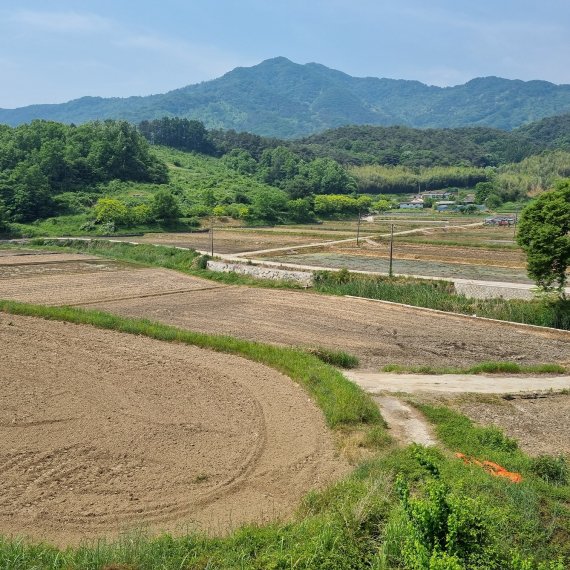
(407, 425)
(376, 382)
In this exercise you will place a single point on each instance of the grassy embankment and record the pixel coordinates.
(430, 294)
(440, 295)
(481, 368)
(78, 225)
(411, 508)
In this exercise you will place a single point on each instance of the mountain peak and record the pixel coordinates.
(278, 97)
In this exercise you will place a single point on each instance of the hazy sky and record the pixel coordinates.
(56, 50)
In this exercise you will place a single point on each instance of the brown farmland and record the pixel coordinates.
(379, 334)
(102, 432)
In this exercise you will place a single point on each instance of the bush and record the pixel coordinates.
(165, 206)
(111, 211)
(551, 469)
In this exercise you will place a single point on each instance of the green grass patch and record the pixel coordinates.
(82, 225)
(342, 402)
(336, 358)
(481, 368)
(441, 295)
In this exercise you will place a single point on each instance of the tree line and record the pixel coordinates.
(45, 166)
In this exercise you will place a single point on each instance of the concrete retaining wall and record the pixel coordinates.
(305, 278)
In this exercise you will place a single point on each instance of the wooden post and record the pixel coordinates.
(212, 237)
(358, 230)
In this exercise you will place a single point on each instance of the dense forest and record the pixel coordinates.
(46, 167)
(369, 145)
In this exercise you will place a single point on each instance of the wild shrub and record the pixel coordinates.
(445, 530)
(551, 469)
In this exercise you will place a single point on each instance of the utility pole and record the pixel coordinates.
(212, 236)
(515, 226)
(390, 272)
(358, 229)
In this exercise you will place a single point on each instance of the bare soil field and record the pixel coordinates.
(68, 279)
(26, 257)
(427, 252)
(378, 334)
(417, 265)
(539, 422)
(229, 242)
(475, 235)
(102, 432)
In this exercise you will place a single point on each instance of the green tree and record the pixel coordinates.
(165, 206)
(544, 235)
(269, 205)
(241, 161)
(30, 191)
(382, 206)
(493, 201)
(482, 191)
(111, 210)
(300, 210)
(4, 226)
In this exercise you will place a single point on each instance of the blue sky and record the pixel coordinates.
(57, 50)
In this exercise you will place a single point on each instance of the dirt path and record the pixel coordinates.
(102, 432)
(375, 382)
(406, 424)
(343, 241)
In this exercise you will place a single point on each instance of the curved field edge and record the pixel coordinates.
(342, 402)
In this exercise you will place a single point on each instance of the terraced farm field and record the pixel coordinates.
(102, 432)
(378, 334)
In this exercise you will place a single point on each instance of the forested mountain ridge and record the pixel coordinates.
(283, 99)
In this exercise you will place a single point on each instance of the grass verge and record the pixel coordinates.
(441, 295)
(481, 368)
(336, 358)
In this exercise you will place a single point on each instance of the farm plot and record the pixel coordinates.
(378, 334)
(102, 432)
(367, 261)
(67, 279)
(540, 422)
(451, 254)
(235, 241)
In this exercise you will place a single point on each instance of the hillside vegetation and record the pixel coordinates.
(103, 178)
(280, 98)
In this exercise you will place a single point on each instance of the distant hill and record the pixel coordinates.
(283, 99)
(473, 146)
(550, 133)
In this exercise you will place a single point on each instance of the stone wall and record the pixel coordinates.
(305, 278)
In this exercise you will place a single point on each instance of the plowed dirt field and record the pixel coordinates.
(379, 334)
(102, 432)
